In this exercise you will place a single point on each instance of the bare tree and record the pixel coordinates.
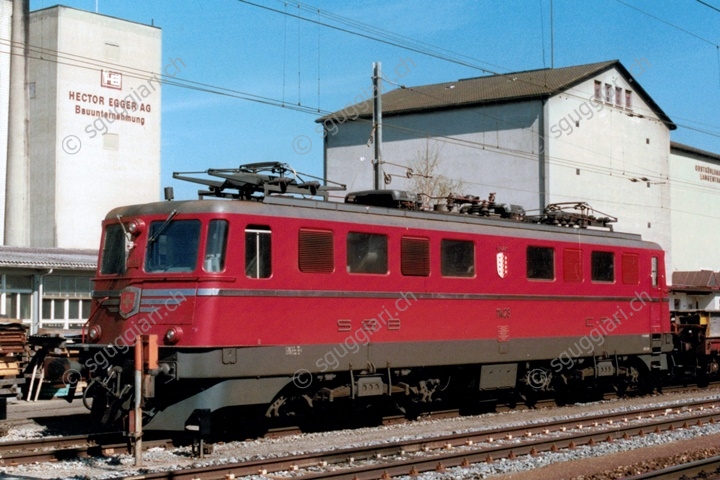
(427, 181)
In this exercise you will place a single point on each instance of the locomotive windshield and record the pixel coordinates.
(174, 247)
(114, 251)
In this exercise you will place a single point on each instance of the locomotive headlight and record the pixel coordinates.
(135, 227)
(94, 333)
(173, 335)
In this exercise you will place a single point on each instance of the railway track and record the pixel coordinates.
(706, 469)
(83, 446)
(68, 447)
(412, 457)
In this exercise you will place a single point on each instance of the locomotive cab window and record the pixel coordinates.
(367, 253)
(602, 266)
(540, 263)
(114, 251)
(258, 260)
(457, 258)
(172, 247)
(654, 271)
(215, 247)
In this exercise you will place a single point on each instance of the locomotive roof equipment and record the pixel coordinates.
(257, 178)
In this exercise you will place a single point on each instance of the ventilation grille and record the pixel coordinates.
(316, 252)
(415, 256)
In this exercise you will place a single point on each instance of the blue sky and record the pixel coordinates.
(245, 48)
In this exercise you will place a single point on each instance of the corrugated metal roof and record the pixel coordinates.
(29, 257)
(507, 87)
(701, 280)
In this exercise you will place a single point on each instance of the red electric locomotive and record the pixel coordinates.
(282, 306)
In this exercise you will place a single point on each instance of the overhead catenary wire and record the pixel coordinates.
(183, 83)
(407, 43)
(668, 23)
(81, 62)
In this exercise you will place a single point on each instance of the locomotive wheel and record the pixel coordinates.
(640, 380)
(701, 375)
(106, 412)
(290, 403)
(529, 397)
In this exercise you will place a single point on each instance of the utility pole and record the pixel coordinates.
(377, 126)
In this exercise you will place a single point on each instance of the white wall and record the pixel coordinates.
(598, 160)
(5, 33)
(695, 190)
(478, 145)
(83, 165)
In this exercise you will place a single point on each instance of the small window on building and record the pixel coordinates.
(608, 93)
(18, 305)
(258, 251)
(628, 99)
(630, 269)
(541, 263)
(47, 309)
(54, 309)
(215, 246)
(112, 51)
(618, 96)
(572, 265)
(598, 90)
(316, 252)
(602, 266)
(66, 286)
(111, 141)
(113, 252)
(14, 282)
(457, 258)
(74, 309)
(415, 256)
(367, 253)
(31, 90)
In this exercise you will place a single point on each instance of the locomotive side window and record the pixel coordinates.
(367, 253)
(216, 245)
(172, 247)
(257, 251)
(602, 266)
(572, 265)
(415, 256)
(316, 252)
(541, 263)
(630, 269)
(654, 271)
(457, 258)
(113, 252)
